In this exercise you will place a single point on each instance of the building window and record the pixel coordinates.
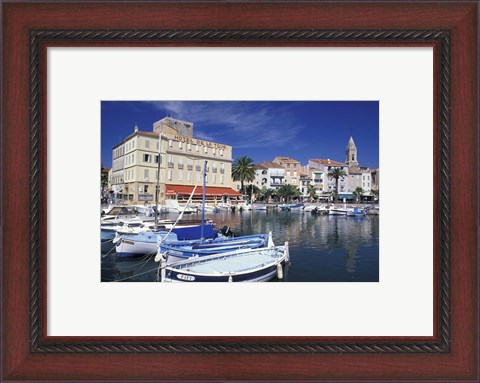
(147, 158)
(145, 189)
(221, 152)
(180, 144)
(180, 164)
(170, 143)
(147, 144)
(196, 147)
(189, 176)
(205, 149)
(214, 178)
(156, 159)
(180, 176)
(158, 145)
(133, 158)
(213, 151)
(190, 164)
(189, 146)
(170, 161)
(169, 174)
(288, 166)
(146, 174)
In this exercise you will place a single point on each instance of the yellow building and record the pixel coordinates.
(182, 159)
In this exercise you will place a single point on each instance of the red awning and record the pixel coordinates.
(210, 191)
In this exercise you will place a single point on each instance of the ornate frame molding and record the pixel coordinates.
(439, 38)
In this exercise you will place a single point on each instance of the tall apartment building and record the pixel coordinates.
(293, 169)
(181, 159)
(269, 175)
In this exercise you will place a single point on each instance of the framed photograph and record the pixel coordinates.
(146, 143)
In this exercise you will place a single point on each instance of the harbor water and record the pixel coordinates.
(322, 248)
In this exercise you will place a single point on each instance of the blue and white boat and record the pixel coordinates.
(291, 206)
(182, 250)
(356, 212)
(247, 265)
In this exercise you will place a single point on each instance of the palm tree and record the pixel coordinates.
(288, 192)
(243, 170)
(251, 190)
(336, 173)
(312, 193)
(358, 193)
(266, 193)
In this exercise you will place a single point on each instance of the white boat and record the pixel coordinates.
(172, 206)
(249, 265)
(259, 207)
(291, 206)
(141, 243)
(147, 210)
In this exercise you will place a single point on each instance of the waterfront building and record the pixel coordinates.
(292, 167)
(181, 159)
(269, 175)
(305, 182)
(325, 186)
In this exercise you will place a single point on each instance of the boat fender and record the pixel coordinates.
(160, 257)
(279, 271)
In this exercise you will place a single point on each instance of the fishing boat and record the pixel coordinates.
(356, 212)
(109, 228)
(247, 265)
(179, 251)
(291, 206)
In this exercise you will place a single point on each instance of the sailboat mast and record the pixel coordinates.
(158, 177)
(203, 197)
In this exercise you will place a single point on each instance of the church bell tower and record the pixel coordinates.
(351, 153)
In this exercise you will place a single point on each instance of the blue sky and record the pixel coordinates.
(261, 130)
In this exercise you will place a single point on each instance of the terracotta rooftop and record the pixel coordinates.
(271, 165)
(327, 162)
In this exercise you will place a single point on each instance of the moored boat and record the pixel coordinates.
(248, 265)
(179, 251)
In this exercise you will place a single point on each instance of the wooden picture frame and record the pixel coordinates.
(30, 27)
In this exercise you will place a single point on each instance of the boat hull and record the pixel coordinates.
(257, 265)
(257, 276)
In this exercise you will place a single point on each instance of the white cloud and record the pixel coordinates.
(249, 124)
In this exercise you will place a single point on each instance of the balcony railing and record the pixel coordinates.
(189, 167)
(180, 166)
(198, 168)
(170, 164)
(214, 170)
(222, 171)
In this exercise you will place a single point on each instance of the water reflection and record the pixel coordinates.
(322, 248)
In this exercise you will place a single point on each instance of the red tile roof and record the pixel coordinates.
(271, 165)
(328, 162)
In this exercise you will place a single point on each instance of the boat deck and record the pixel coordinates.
(232, 264)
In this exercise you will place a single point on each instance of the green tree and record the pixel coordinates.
(251, 190)
(312, 193)
(336, 173)
(266, 194)
(358, 193)
(288, 192)
(243, 170)
(104, 177)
